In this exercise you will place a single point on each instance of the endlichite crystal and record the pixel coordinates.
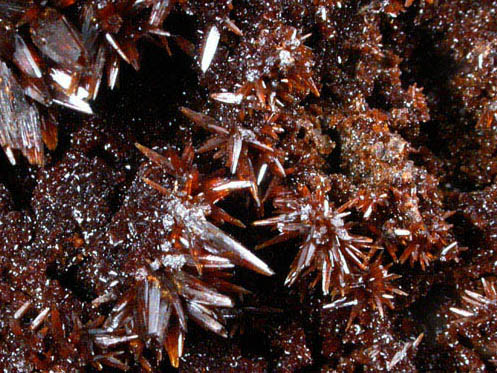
(19, 120)
(58, 40)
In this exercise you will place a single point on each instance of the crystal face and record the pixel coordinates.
(58, 40)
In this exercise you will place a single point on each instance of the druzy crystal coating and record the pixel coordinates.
(248, 186)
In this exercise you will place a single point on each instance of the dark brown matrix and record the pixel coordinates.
(248, 186)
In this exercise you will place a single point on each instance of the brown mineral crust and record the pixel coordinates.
(290, 349)
(30, 332)
(6, 203)
(466, 32)
(371, 343)
(476, 216)
(210, 12)
(16, 229)
(468, 154)
(480, 208)
(477, 158)
(456, 38)
(351, 61)
(386, 108)
(357, 62)
(99, 139)
(331, 326)
(432, 315)
(220, 356)
(71, 204)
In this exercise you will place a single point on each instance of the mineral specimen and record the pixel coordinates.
(354, 141)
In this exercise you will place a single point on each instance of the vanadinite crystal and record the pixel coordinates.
(248, 186)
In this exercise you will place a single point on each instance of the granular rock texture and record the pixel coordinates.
(248, 186)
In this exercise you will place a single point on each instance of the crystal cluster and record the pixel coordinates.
(248, 186)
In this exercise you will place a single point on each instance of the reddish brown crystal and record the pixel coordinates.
(360, 137)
